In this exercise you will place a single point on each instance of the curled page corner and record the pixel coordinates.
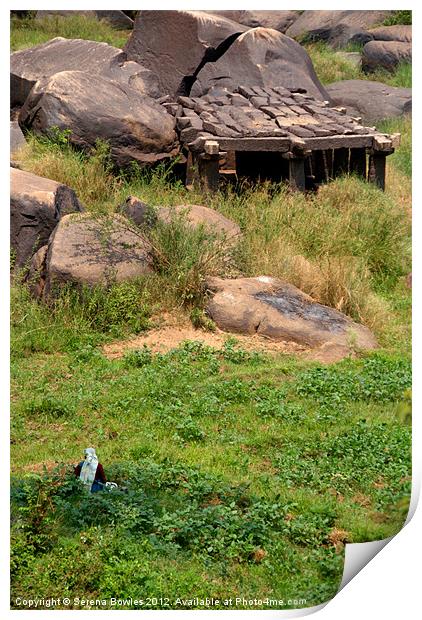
(358, 555)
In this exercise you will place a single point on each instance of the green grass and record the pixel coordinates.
(256, 511)
(331, 67)
(402, 158)
(28, 32)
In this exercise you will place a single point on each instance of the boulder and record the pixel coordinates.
(17, 139)
(261, 57)
(392, 33)
(277, 310)
(136, 127)
(310, 23)
(385, 55)
(36, 206)
(196, 215)
(279, 20)
(373, 101)
(341, 35)
(89, 250)
(173, 44)
(117, 19)
(42, 61)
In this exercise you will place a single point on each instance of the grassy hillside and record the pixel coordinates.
(241, 474)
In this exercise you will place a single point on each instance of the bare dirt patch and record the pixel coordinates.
(174, 330)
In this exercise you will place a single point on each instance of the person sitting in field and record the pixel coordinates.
(91, 472)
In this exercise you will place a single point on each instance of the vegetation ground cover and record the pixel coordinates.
(240, 474)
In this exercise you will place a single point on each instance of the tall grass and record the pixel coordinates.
(335, 245)
(78, 318)
(402, 158)
(332, 67)
(29, 31)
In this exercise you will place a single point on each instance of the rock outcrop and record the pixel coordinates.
(315, 25)
(261, 57)
(135, 125)
(89, 250)
(373, 101)
(392, 33)
(196, 215)
(36, 206)
(98, 59)
(385, 55)
(277, 310)
(278, 20)
(174, 44)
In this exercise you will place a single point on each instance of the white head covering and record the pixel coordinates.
(89, 467)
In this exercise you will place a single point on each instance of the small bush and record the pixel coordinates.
(201, 321)
(123, 306)
(138, 358)
(189, 430)
(186, 256)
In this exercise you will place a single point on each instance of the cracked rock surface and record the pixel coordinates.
(279, 311)
(174, 44)
(135, 125)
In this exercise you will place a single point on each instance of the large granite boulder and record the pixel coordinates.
(17, 139)
(173, 44)
(36, 206)
(136, 127)
(277, 310)
(385, 55)
(117, 19)
(310, 24)
(89, 250)
(373, 101)
(196, 215)
(42, 61)
(278, 20)
(392, 33)
(261, 57)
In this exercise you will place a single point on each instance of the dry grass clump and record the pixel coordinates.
(90, 177)
(338, 245)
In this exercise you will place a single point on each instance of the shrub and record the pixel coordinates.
(201, 321)
(138, 358)
(121, 305)
(186, 256)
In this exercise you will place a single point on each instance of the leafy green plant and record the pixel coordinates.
(188, 430)
(138, 357)
(398, 17)
(200, 320)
